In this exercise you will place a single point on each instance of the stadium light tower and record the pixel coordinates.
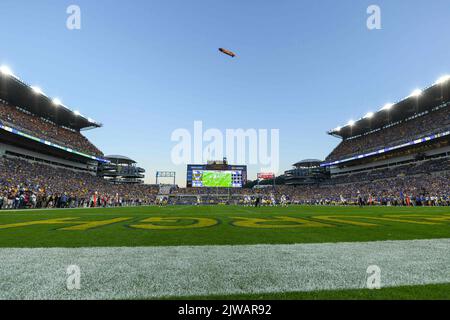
(351, 123)
(56, 102)
(369, 115)
(387, 106)
(37, 90)
(416, 93)
(6, 70)
(443, 79)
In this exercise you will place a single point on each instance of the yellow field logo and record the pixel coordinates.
(169, 223)
(278, 222)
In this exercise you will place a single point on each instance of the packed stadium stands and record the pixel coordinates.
(25, 184)
(45, 161)
(39, 127)
(414, 168)
(32, 185)
(420, 190)
(430, 123)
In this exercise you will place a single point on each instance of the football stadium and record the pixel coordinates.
(370, 221)
(380, 198)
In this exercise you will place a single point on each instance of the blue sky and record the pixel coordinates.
(146, 68)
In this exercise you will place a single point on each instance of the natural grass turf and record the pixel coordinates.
(423, 292)
(224, 233)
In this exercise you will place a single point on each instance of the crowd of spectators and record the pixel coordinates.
(25, 184)
(422, 183)
(422, 189)
(409, 169)
(44, 129)
(434, 122)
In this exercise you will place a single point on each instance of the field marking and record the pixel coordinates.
(66, 209)
(261, 222)
(150, 223)
(152, 272)
(234, 207)
(20, 212)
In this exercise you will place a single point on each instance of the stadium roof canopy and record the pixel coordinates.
(308, 163)
(120, 159)
(417, 102)
(18, 93)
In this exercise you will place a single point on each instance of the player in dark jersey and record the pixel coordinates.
(257, 201)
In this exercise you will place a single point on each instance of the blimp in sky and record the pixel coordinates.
(227, 52)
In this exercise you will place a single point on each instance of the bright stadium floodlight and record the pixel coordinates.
(369, 115)
(416, 93)
(6, 71)
(56, 102)
(37, 90)
(443, 79)
(387, 106)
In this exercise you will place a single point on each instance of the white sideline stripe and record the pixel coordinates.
(151, 272)
(66, 209)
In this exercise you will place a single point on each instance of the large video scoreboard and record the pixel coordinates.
(216, 175)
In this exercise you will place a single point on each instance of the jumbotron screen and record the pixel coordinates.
(217, 178)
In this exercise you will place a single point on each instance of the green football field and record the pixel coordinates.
(298, 252)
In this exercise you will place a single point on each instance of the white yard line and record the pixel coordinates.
(149, 272)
